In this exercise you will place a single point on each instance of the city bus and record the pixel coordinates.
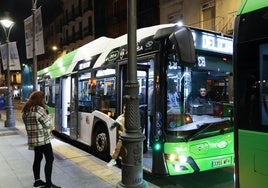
(251, 94)
(84, 89)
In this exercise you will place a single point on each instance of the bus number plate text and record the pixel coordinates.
(221, 162)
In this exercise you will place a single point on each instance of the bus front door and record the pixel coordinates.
(143, 79)
(73, 108)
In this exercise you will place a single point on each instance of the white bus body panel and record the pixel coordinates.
(85, 128)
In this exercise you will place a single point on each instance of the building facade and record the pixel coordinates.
(73, 28)
(85, 20)
(216, 15)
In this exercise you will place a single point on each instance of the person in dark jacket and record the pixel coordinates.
(202, 98)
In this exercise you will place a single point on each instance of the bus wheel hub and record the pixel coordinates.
(101, 142)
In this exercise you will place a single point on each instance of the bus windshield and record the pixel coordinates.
(199, 100)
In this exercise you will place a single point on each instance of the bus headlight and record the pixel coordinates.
(178, 162)
(183, 159)
(175, 157)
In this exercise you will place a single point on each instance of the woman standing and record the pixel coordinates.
(37, 124)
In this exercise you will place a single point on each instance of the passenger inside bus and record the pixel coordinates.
(202, 98)
(202, 103)
(150, 111)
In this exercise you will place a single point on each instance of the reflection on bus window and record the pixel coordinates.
(173, 97)
(264, 86)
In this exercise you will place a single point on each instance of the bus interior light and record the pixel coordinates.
(188, 119)
(224, 59)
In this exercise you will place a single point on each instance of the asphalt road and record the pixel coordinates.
(219, 178)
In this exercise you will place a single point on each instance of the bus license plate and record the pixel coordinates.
(221, 162)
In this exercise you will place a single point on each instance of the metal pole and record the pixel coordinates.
(34, 50)
(132, 168)
(10, 121)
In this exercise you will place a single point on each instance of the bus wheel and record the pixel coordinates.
(101, 143)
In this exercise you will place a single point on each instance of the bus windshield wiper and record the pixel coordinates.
(204, 127)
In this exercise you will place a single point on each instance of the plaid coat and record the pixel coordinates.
(37, 125)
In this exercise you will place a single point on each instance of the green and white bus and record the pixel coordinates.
(84, 90)
(251, 94)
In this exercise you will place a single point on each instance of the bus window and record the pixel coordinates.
(49, 90)
(84, 92)
(142, 79)
(105, 95)
(176, 90)
(196, 97)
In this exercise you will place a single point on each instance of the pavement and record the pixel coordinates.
(73, 168)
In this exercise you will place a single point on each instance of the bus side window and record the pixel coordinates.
(84, 95)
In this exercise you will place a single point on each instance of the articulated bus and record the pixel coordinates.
(84, 90)
(251, 94)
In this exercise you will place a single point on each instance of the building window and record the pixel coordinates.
(67, 36)
(115, 7)
(208, 15)
(73, 12)
(80, 30)
(66, 15)
(73, 34)
(14, 78)
(90, 28)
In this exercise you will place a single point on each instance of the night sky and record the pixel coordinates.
(18, 10)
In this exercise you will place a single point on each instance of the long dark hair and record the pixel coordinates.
(35, 99)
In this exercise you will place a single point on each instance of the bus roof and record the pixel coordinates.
(251, 5)
(90, 49)
(102, 47)
(58, 68)
(122, 40)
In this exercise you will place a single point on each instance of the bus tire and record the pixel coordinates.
(101, 142)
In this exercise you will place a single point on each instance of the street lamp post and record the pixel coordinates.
(10, 121)
(34, 50)
(132, 168)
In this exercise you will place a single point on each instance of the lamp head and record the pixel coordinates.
(6, 20)
(6, 23)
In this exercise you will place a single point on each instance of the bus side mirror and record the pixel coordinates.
(184, 45)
